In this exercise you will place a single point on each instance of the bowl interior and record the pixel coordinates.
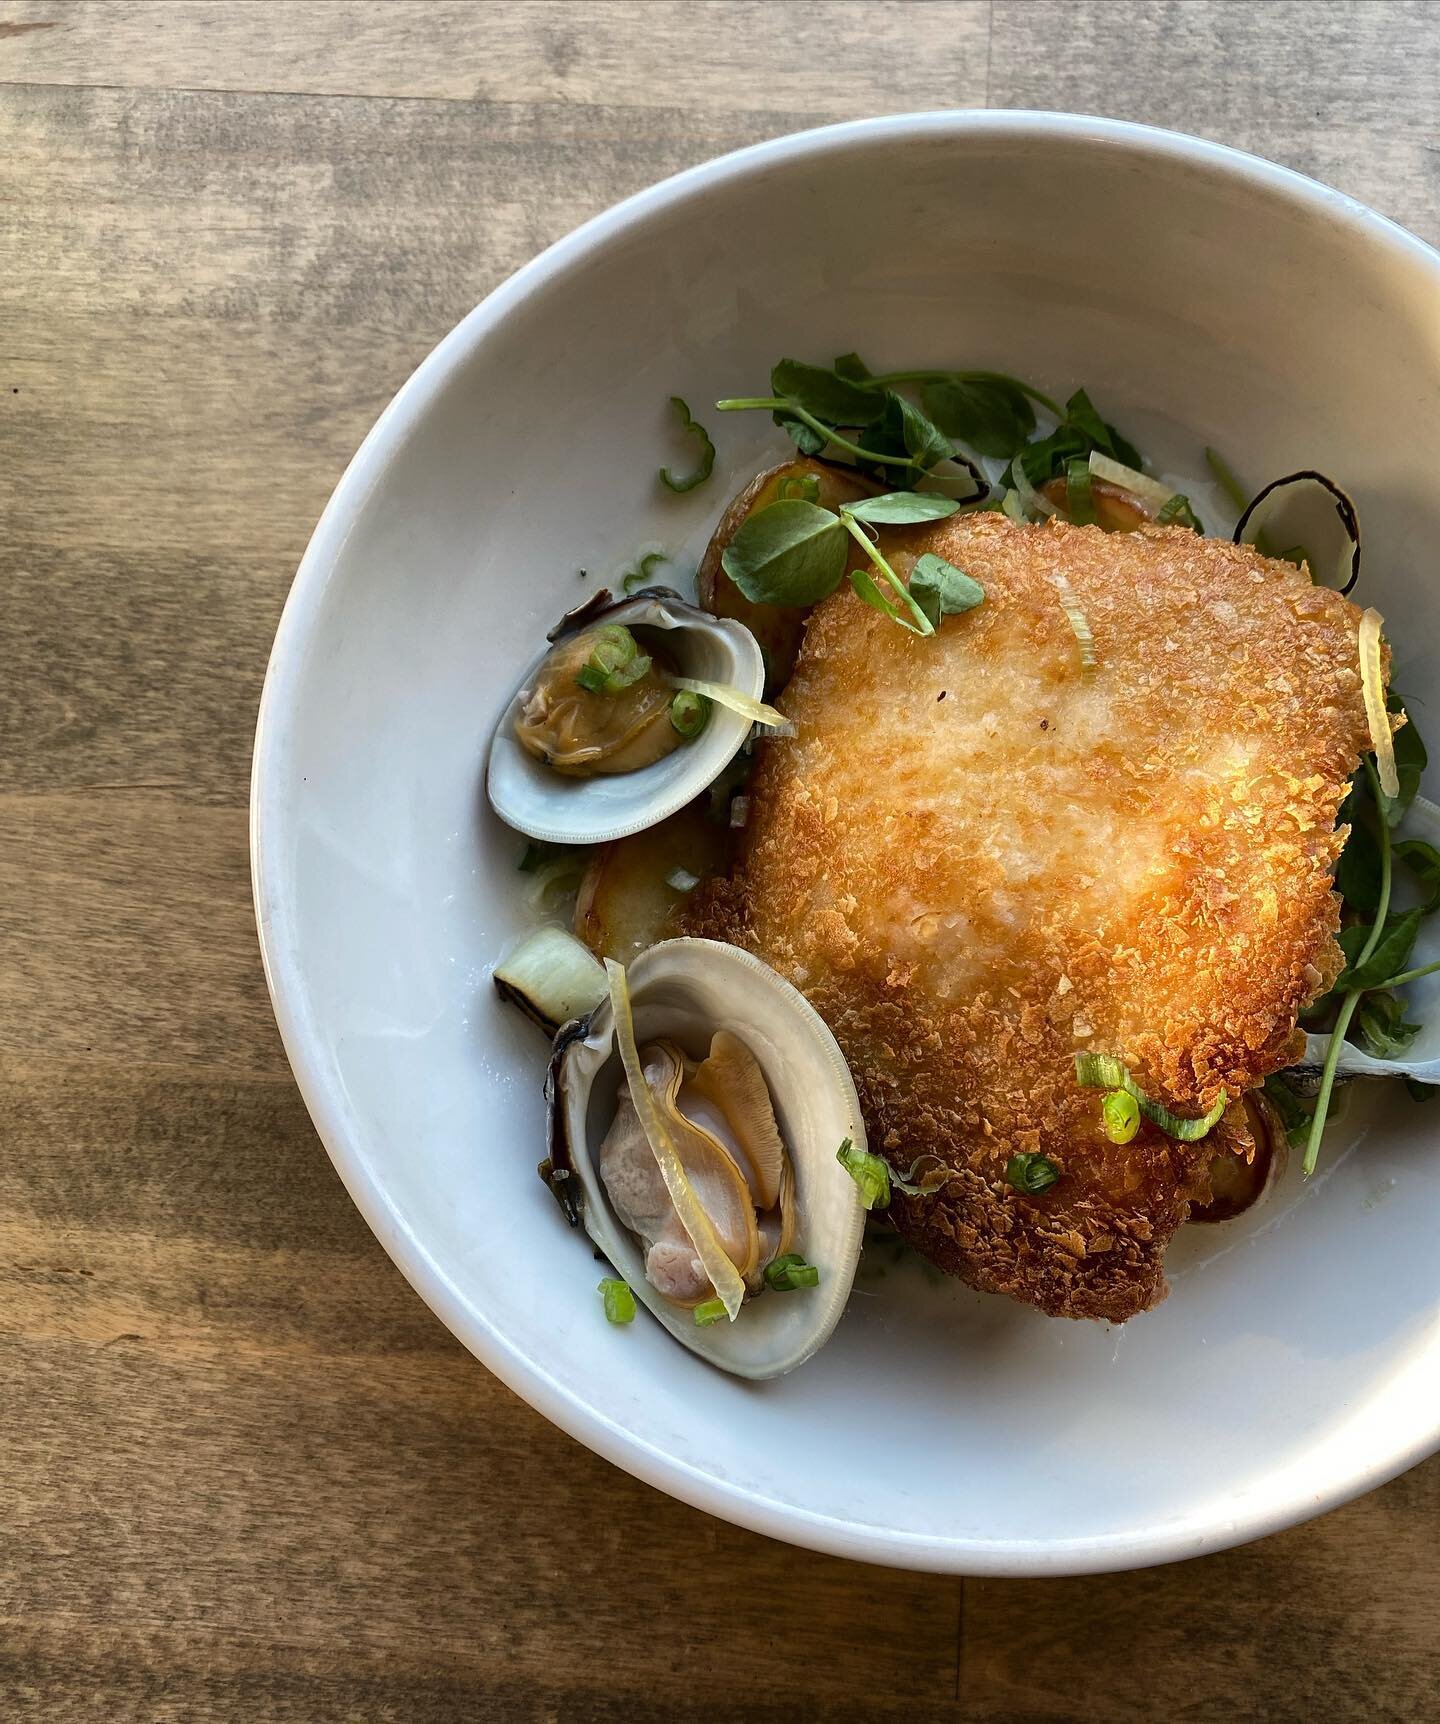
(1202, 299)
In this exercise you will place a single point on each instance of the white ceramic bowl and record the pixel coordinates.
(1203, 296)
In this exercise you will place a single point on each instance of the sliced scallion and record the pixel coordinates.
(870, 1173)
(787, 1273)
(1079, 494)
(1104, 1071)
(1120, 1114)
(689, 714)
(1031, 1172)
(619, 1301)
(615, 661)
(710, 1311)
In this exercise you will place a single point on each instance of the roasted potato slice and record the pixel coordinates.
(626, 902)
(777, 628)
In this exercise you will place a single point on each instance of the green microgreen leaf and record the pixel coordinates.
(1031, 1173)
(865, 588)
(1079, 431)
(1423, 861)
(826, 395)
(706, 466)
(1081, 415)
(901, 508)
(1104, 1071)
(852, 368)
(917, 621)
(1385, 959)
(942, 590)
(1357, 875)
(619, 1301)
(1294, 1115)
(1410, 762)
(790, 553)
(993, 417)
(1380, 1020)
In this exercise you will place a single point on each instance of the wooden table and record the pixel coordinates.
(245, 1475)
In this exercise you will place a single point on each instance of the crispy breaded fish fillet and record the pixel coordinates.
(977, 861)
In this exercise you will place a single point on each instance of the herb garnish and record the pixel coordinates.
(641, 573)
(1104, 1071)
(874, 1176)
(1031, 1172)
(790, 1271)
(619, 1301)
(615, 662)
(794, 553)
(1378, 945)
(688, 481)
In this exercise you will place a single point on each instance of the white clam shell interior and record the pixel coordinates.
(543, 804)
(686, 990)
(1421, 1060)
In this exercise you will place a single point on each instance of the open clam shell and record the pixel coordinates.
(1421, 1060)
(539, 802)
(684, 991)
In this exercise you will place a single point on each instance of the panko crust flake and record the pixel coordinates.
(977, 862)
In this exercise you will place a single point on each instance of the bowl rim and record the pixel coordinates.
(1209, 1529)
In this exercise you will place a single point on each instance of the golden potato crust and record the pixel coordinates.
(976, 862)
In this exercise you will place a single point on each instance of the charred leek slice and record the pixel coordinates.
(1372, 677)
(737, 701)
(1104, 1071)
(552, 978)
(724, 1277)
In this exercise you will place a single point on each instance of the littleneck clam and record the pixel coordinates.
(641, 784)
(760, 1099)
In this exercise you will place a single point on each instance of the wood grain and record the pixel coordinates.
(246, 1475)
